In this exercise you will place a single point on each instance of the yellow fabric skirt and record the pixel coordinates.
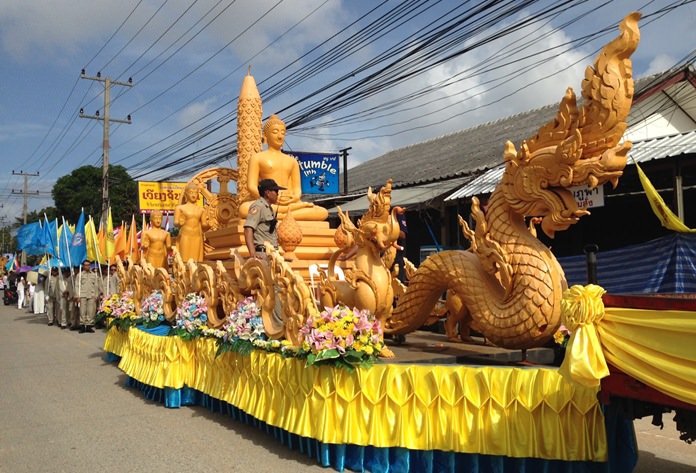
(516, 412)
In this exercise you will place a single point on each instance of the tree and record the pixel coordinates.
(38, 215)
(83, 189)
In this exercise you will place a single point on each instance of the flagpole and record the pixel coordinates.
(96, 251)
(67, 247)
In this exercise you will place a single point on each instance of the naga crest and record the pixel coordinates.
(581, 146)
(378, 226)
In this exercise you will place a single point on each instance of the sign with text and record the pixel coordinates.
(588, 198)
(162, 196)
(318, 172)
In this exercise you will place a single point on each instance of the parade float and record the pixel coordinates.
(305, 358)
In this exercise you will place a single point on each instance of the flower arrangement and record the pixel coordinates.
(106, 307)
(561, 336)
(191, 317)
(242, 327)
(122, 309)
(348, 337)
(152, 309)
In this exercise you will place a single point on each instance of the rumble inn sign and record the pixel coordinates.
(588, 198)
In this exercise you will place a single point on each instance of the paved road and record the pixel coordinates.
(63, 409)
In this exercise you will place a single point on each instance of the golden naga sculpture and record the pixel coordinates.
(369, 284)
(509, 282)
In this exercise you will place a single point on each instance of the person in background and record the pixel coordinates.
(401, 242)
(20, 293)
(30, 295)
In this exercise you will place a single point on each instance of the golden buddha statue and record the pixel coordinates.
(283, 169)
(156, 242)
(192, 221)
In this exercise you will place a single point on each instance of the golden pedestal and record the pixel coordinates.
(316, 247)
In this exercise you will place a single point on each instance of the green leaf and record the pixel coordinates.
(327, 355)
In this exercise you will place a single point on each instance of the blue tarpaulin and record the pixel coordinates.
(663, 265)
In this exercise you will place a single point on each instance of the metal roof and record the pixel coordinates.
(642, 151)
(408, 196)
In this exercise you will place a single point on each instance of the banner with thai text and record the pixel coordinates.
(162, 196)
(319, 172)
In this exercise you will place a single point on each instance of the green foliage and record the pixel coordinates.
(83, 189)
(38, 215)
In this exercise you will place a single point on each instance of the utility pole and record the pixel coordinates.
(25, 191)
(25, 206)
(106, 119)
(344, 155)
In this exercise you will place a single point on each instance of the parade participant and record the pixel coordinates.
(110, 281)
(61, 288)
(52, 297)
(156, 242)
(88, 288)
(192, 221)
(71, 300)
(260, 225)
(283, 169)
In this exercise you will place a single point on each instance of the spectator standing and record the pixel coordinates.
(20, 293)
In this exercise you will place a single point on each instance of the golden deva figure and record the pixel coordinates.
(283, 169)
(192, 221)
(156, 242)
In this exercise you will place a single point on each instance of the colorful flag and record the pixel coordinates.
(30, 239)
(120, 243)
(93, 252)
(51, 236)
(64, 238)
(110, 242)
(78, 244)
(133, 241)
(662, 212)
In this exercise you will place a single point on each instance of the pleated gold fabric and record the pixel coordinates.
(581, 310)
(656, 347)
(116, 342)
(516, 412)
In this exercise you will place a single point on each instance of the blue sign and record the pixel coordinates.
(319, 172)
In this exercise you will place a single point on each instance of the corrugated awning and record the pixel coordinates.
(642, 151)
(408, 196)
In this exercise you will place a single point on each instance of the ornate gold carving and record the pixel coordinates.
(509, 283)
(289, 236)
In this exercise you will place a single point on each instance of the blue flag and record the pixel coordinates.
(50, 236)
(78, 245)
(30, 239)
(64, 239)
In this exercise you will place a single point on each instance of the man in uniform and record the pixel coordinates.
(88, 290)
(260, 225)
(60, 303)
(52, 305)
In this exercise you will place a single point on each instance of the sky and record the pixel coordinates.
(368, 75)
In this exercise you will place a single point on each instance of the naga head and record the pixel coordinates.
(581, 146)
(378, 227)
